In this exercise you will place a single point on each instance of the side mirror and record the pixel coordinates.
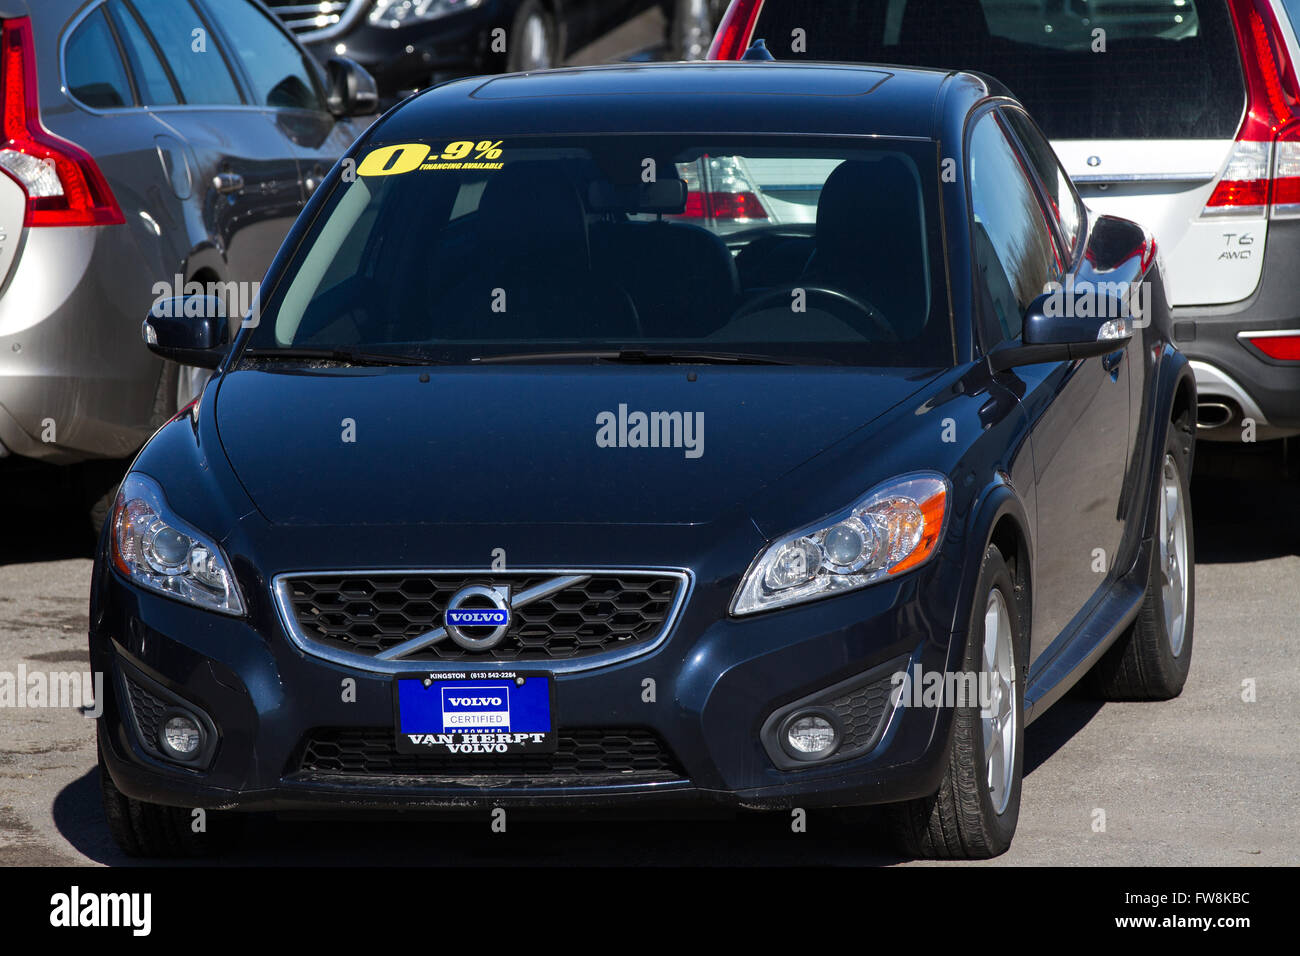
(352, 91)
(192, 330)
(1075, 322)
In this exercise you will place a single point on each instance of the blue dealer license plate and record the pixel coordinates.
(474, 714)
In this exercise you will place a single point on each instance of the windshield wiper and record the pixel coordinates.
(644, 357)
(343, 354)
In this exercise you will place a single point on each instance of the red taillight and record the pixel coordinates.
(64, 186)
(1264, 167)
(736, 30)
(1284, 346)
(717, 205)
(1239, 192)
(1271, 89)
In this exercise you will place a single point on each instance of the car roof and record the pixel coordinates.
(743, 97)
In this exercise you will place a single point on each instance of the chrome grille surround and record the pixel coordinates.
(281, 587)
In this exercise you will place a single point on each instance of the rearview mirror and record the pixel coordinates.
(192, 330)
(352, 90)
(1064, 324)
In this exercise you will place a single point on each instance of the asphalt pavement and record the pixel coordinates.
(1208, 779)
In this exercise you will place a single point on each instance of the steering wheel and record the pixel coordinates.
(839, 303)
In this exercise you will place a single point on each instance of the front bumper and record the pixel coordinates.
(717, 683)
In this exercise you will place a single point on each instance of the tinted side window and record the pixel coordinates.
(1015, 255)
(150, 75)
(191, 52)
(1065, 203)
(276, 68)
(95, 74)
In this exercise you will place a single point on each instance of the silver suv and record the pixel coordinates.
(146, 144)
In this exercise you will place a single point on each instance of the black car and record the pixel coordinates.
(411, 44)
(519, 495)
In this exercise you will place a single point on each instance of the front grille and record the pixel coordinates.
(368, 614)
(592, 756)
(148, 711)
(308, 19)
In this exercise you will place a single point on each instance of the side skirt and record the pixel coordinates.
(1092, 637)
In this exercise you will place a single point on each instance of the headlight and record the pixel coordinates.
(159, 551)
(892, 530)
(396, 13)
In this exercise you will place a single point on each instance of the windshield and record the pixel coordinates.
(796, 250)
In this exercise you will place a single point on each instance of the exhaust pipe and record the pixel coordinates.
(1214, 414)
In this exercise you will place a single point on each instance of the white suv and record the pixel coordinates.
(1183, 115)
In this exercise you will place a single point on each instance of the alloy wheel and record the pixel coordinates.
(535, 38)
(998, 712)
(1173, 554)
(696, 28)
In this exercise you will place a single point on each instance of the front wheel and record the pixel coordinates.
(177, 386)
(691, 24)
(533, 42)
(973, 815)
(149, 830)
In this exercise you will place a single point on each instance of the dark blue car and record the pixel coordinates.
(724, 434)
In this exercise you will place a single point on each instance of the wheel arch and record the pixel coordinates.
(1175, 393)
(998, 516)
(1013, 542)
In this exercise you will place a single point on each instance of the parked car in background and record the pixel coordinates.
(145, 142)
(411, 44)
(1181, 114)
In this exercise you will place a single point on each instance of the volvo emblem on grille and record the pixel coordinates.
(478, 617)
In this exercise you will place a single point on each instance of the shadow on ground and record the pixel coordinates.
(751, 839)
(47, 517)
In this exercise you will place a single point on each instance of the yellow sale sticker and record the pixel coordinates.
(394, 160)
(408, 157)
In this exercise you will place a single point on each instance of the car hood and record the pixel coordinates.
(536, 444)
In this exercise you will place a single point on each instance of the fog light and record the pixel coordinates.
(810, 735)
(181, 736)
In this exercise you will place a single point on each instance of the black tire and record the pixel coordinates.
(1143, 664)
(688, 37)
(100, 479)
(960, 821)
(519, 55)
(149, 830)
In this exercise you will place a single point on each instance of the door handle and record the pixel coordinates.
(227, 182)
